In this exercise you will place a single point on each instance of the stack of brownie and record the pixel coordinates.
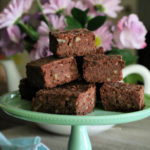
(66, 83)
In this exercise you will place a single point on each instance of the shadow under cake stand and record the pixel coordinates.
(12, 104)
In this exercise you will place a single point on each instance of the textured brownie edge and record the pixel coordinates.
(77, 102)
(122, 97)
(67, 40)
(48, 75)
(103, 68)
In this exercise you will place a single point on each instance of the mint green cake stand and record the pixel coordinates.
(12, 104)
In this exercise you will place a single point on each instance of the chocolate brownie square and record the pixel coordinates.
(103, 68)
(49, 72)
(76, 42)
(74, 98)
(122, 97)
(99, 50)
(26, 90)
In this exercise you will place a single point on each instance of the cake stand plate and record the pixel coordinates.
(12, 104)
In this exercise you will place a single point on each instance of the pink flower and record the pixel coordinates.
(14, 33)
(14, 10)
(7, 47)
(130, 33)
(104, 37)
(56, 6)
(77, 4)
(44, 1)
(43, 29)
(109, 7)
(27, 5)
(58, 23)
(42, 49)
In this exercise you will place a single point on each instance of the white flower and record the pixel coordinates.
(14, 10)
(57, 22)
(109, 7)
(77, 4)
(55, 6)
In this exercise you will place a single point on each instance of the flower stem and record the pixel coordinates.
(29, 31)
(44, 16)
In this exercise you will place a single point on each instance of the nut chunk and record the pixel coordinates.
(49, 72)
(76, 98)
(103, 68)
(77, 42)
(122, 97)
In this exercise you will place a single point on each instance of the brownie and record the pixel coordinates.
(49, 72)
(76, 98)
(99, 50)
(103, 68)
(76, 42)
(26, 90)
(122, 97)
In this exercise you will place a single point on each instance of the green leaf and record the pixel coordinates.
(133, 79)
(96, 22)
(79, 15)
(128, 56)
(87, 10)
(72, 23)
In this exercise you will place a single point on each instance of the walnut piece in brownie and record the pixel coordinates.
(26, 90)
(76, 98)
(122, 97)
(76, 42)
(103, 68)
(49, 72)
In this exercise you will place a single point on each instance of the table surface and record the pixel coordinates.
(130, 136)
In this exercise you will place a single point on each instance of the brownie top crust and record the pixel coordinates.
(125, 86)
(71, 89)
(102, 57)
(99, 50)
(45, 60)
(73, 31)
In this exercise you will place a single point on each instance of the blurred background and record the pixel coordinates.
(140, 7)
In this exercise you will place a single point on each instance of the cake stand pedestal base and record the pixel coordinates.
(79, 139)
